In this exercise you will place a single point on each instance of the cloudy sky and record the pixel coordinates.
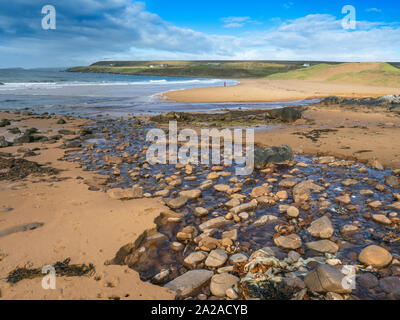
(91, 30)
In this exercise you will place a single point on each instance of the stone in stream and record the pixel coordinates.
(177, 246)
(272, 155)
(162, 193)
(302, 191)
(375, 256)
(259, 192)
(262, 221)
(216, 259)
(200, 212)
(292, 242)
(160, 277)
(176, 203)
(292, 212)
(325, 160)
(233, 235)
(343, 199)
(382, 219)
(323, 246)
(393, 181)
(194, 259)
(190, 283)
(391, 285)
(215, 223)
(288, 183)
(375, 204)
(321, 228)
(232, 203)
(246, 207)
(238, 258)
(348, 228)
(222, 188)
(349, 182)
(191, 194)
(220, 283)
(325, 279)
(395, 206)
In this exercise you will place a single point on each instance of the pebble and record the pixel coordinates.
(292, 242)
(194, 259)
(190, 283)
(382, 219)
(321, 228)
(220, 283)
(323, 246)
(216, 259)
(292, 212)
(238, 258)
(200, 212)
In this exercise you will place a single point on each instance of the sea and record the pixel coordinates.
(89, 94)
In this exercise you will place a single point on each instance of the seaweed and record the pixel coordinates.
(63, 269)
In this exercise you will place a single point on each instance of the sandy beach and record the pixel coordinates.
(85, 226)
(270, 90)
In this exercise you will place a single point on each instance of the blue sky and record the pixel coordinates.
(91, 30)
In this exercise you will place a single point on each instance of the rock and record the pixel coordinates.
(136, 192)
(282, 195)
(332, 296)
(191, 194)
(162, 193)
(200, 212)
(244, 216)
(3, 142)
(367, 280)
(288, 183)
(302, 191)
(391, 285)
(233, 235)
(176, 203)
(4, 123)
(321, 228)
(367, 193)
(349, 228)
(194, 259)
(323, 246)
(292, 242)
(232, 294)
(382, 219)
(375, 204)
(349, 182)
(375, 256)
(265, 220)
(221, 188)
(292, 212)
(294, 256)
(124, 194)
(325, 160)
(393, 181)
(232, 203)
(377, 165)
(216, 259)
(220, 283)
(160, 277)
(190, 283)
(246, 207)
(177, 246)
(270, 155)
(325, 279)
(209, 243)
(287, 114)
(238, 258)
(395, 206)
(215, 223)
(259, 192)
(344, 199)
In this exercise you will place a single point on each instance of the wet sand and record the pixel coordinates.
(86, 226)
(268, 90)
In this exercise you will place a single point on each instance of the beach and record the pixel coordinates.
(267, 90)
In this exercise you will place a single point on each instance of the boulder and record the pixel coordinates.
(216, 259)
(292, 242)
(321, 228)
(287, 114)
(323, 246)
(272, 155)
(190, 283)
(375, 256)
(325, 279)
(220, 283)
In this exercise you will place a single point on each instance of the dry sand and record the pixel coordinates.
(362, 134)
(83, 225)
(269, 90)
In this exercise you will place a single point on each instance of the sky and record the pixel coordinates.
(87, 31)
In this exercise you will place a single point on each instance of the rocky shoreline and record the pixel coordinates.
(285, 232)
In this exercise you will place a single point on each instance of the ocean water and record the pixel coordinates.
(87, 94)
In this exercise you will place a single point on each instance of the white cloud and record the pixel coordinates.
(373, 10)
(122, 30)
(235, 22)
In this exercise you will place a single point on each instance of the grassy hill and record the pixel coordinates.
(204, 69)
(369, 73)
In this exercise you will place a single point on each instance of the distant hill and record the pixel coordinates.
(203, 69)
(367, 73)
